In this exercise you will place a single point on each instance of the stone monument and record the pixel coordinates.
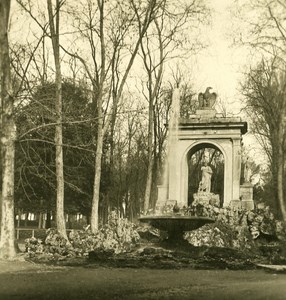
(246, 189)
(205, 129)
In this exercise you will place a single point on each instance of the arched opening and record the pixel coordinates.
(196, 157)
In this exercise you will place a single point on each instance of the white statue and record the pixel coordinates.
(247, 171)
(205, 183)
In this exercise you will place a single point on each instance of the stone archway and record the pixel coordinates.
(205, 127)
(195, 146)
(215, 156)
(223, 133)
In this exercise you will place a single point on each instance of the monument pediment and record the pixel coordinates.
(205, 113)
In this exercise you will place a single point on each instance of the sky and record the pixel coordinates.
(220, 63)
(216, 66)
(220, 66)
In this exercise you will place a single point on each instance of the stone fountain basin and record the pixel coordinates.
(176, 223)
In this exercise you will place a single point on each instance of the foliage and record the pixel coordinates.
(98, 87)
(35, 167)
(117, 236)
(55, 243)
(34, 246)
(83, 241)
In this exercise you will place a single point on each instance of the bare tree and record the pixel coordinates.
(264, 26)
(53, 25)
(8, 135)
(153, 86)
(165, 40)
(55, 34)
(106, 34)
(265, 92)
(265, 33)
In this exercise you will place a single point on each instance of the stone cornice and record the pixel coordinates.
(213, 123)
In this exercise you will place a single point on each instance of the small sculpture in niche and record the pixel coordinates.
(247, 171)
(205, 183)
(207, 99)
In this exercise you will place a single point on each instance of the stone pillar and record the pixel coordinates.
(236, 170)
(227, 148)
(174, 178)
(246, 196)
(162, 195)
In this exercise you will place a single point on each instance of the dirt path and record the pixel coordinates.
(22, 280)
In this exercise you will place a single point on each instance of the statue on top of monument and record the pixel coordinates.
(207, 99)
(205, 183)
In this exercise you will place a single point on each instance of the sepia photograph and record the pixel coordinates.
(143, 149)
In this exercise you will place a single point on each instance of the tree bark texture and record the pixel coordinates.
(154, 81)
(98, 90)
(150, 158)
(280, 172)
(97, 176)
(8, 130)
(54, 29)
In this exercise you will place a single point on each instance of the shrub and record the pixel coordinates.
(55, 243)
(117, 236)
(34, 246)
(83, 241)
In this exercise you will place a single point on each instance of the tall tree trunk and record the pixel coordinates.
(280, 173)
(54, 28)
(153, 93)
(97, 176)
(100, 130)
(8, 136)
(7, 247)
(102, 126)
(150, 158)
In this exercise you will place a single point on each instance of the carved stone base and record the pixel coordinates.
(162, 195)
(206, 112)
(248, 205)
(206, 198)
(246, 196)
(235, 204)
